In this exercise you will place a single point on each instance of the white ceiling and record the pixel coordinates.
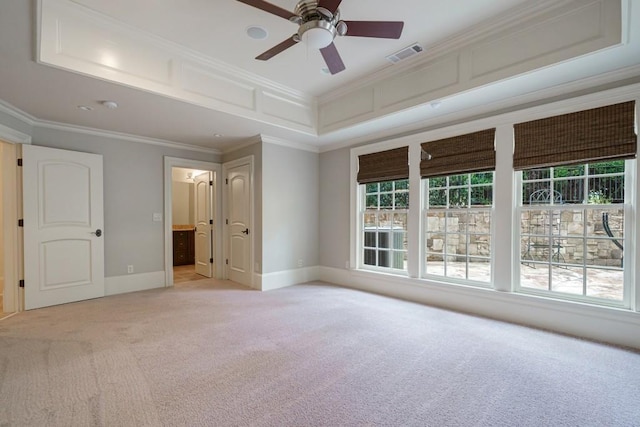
(217, 30)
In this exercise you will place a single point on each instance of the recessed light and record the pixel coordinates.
(257, 33)
(85, 108)
(436, 104)
(217, 135)
(112, 105)
(325, 70)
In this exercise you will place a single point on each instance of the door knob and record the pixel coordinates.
(246, 231)
(98, 232)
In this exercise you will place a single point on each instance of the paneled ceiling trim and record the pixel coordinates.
(77, 39)
(571, 35)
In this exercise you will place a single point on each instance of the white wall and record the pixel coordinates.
(133, 191)
(290, 196)
(1, 229)
(334, 208)
(182, 212)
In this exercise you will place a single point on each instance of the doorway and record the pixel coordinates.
(192, 224)
(192, 220)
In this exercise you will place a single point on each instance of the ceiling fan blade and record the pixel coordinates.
(380, 29)
(331, 5)
(268, 7)
(332, 58)
(277, 49)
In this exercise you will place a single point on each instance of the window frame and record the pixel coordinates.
(424, 209)
(364, 210)
(627, 301)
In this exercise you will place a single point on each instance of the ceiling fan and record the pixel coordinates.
(319, 23)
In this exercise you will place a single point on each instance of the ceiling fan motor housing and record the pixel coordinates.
(318, 26)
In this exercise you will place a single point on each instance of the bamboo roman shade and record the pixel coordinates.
(582, 137)
(387, 165)
(473, 152)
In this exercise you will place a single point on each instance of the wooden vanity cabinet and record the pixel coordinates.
(183, 247)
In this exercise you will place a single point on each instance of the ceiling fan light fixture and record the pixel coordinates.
(317, 38)
(317, 34)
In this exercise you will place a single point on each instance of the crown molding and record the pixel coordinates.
(13, 136)
(290, 144)
(123, 136)
(257, 139)
(16, 113)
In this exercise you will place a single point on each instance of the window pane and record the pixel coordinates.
(480, 245)
(565, 171)
(482, 178)
(479, 222)
(604, 190)
(458, 197)
(370, 257)
(435, 221)
(482, 196)
(458, 179)
(438, 198)
(536, 174)
(437, 182)
(386, 201)
(480, 269)
(456, 222)
(569, 280)
(372, 188)
(384, 260)
(370, 221)
(386, 186)
(613, 166)
(569, 191)
(402, 184)
(383, 240)
(607, 284)
(372, 201)
(402, 200)
(370, 240)
(534, 275)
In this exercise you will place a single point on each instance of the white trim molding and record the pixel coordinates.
(618, 327)
(283, 279)
(13, 136)
(133, 283)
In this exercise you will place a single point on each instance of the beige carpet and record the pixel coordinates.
(215, 354)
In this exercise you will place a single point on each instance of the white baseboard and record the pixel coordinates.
(610, 325)
(133, 283)
(282, 279)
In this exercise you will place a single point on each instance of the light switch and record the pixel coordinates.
(157, 217)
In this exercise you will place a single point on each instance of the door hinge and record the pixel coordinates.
(210, 182)
(211, 260)
(210, 222)
(226, 181)
(19, 162)
(21, 223)
(227, 262)
(21, 283)
(226, 221)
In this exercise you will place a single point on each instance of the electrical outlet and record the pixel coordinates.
(157, 217)
(129, 269)
(300, 263)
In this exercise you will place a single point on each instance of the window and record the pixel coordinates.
(384, 220)
(572, 228)
(457, 224)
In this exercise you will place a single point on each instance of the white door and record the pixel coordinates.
(239, 218)
(204, 224)
(63, 226)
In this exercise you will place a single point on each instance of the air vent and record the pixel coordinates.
(405, 53)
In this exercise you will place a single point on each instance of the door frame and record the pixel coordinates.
(12, 140)
(216, 168)
(225, 196)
